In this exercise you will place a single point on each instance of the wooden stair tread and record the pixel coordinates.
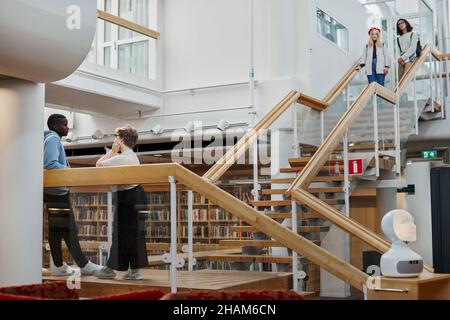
(254, 243)
(316, 179)
(250, 258)
(301, 229)
(288, 215)
(311, 190)
(299, 169)
(365, 147)
(279, 203)
(303, 161)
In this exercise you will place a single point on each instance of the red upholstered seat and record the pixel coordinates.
(235, 295)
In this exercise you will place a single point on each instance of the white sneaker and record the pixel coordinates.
(89, 269)
(105, 273)
(63, 271)
(133, 274)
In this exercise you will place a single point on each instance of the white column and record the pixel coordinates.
(21, 179)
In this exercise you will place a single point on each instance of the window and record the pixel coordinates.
(332, 29)
(123, 49)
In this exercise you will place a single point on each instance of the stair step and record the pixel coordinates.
(288, 215)
(385, 164)
(311, 190)
(303, 161)
(316, 179)
(255, 243)
(324, 169)
(301, 229)
(370, 147)
(250, 258)
(281, 203)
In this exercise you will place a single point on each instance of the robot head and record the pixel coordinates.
(399, 225)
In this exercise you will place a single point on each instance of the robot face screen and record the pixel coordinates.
(404, 226)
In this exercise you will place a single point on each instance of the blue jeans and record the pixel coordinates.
(376, 77)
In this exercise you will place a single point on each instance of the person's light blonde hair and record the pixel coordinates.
(379, 42)
(129, 135)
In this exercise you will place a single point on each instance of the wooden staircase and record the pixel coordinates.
(277, 205)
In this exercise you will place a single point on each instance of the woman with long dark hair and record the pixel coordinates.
(407, 43)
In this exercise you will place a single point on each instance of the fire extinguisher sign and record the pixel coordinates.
(355, 167)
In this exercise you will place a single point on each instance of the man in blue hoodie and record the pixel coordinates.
(61, 220)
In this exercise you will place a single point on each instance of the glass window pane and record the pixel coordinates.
(107, 24)
(133, 58)
(136, 11)
(107, 57)
(332, 29)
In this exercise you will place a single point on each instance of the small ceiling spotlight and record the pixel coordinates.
(97, 135)
(190, 127)
(223, 125)
(157, 130)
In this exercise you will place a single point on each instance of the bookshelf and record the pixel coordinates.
(210, 222)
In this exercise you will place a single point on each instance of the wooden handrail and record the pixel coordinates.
(238, 208)
(233, 154)
(311, 102)
(128, 24)
(313, 167)
(221, 166)
(409, 75)
(341, 85)
(298, 188)
(87, 177)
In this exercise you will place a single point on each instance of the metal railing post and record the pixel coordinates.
(376, 139)
(431, 82)
(190, 248)
(322, 126)
(346, 168)
(110, 219)
(295, 272)
(173, 235)
(416, 107)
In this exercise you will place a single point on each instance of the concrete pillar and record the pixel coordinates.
(21, 178)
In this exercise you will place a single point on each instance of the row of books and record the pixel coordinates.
(90, 214)
(222, 232)
(82, 199)
(220, 214)
(197, 214)
(159, 198)
(159, 215)
(198, 231)
(92, 230)
(158, 231)
(197, 198)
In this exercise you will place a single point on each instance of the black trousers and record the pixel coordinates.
(128, 249)
(61, 225)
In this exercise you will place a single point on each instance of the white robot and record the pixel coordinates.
(400, 261)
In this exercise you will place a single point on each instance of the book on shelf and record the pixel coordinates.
(197, 231)
(197, 214)
(158, 231)
(159, 198)
(159, 215)
(222, 232)
(85, 199)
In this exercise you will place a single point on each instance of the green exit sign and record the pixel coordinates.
(429, 154)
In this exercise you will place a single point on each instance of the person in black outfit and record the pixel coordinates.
(128, 249)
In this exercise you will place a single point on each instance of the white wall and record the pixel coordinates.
(329, 62)
(205, 42)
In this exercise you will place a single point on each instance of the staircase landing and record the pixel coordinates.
(197, 280)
